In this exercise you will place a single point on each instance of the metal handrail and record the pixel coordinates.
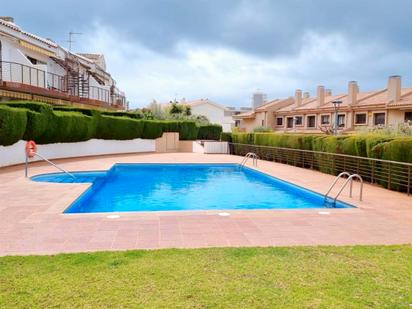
(350, 178)
(252, 155)
(335, 181)
(393, 175)
(48, 161)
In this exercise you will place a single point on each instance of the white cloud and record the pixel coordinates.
(227, 75)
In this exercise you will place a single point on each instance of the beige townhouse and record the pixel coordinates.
(351, 111)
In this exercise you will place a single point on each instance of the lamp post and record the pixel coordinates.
(336, 106)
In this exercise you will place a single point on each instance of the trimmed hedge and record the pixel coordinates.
(226, 137)
(362, 145)
(12, 125)
(210, 132)
(120, 128)
(52, 124)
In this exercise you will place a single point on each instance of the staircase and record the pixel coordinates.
(84, 86)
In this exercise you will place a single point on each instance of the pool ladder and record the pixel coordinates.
(48, 161)
(332, 200)
(252, 155)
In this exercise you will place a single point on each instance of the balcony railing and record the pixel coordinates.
(26, 75)
(390, 174)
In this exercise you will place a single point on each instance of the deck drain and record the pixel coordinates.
(324, 212)
(113, 217)
(224, 214)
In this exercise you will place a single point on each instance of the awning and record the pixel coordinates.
(36, 49)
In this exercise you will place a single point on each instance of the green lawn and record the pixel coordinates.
(297, 277)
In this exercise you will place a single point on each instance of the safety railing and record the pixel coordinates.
(249, 155)
(348, 180)
(26, 172)
(23, 74)
(390, 174)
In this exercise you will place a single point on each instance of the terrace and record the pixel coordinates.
(36, 224)
(30, 83)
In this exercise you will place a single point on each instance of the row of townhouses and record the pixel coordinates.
(35, 68)
(346, 112)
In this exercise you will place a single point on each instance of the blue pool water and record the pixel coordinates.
(161, 187)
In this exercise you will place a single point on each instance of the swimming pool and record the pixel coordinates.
(166, 187)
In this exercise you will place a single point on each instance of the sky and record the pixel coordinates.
(225, 50)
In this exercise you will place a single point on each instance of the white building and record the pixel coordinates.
(36, 68)
(215, 112)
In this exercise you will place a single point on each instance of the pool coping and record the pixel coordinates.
(35, 223)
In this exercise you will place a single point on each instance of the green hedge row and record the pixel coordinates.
(12, 125)
(363, 145)
(210, 132)
(45, 124)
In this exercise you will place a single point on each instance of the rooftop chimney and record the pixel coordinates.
(306, 95)
(7, 18)
(394, 88)
(298, 97)
(321, 95)
(353, 90)
(328, 92)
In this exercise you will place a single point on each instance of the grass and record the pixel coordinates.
(297, 277)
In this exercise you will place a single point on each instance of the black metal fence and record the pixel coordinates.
(390, 174)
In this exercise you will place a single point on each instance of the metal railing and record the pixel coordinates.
(27, 75)
(249, 155)
(348, 180)
(23, 74)
(26, 171)
(390, 174)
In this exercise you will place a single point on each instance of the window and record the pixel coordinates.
(379, 119)
(408, 116)
(360, 118)
(298, 120)
(289, 122)
(341, 120)
(237, 123)
(263, 123)
(325, 119)
(279, 121)
(311, 121)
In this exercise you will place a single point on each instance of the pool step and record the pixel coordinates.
(329, 202)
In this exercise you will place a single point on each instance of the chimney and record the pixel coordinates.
(353, 90)
(298, 97)
(306, 95)
(321, 95)
(7, 18)
(394, 88)
(328, 92)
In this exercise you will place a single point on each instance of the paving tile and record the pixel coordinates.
(32, 219)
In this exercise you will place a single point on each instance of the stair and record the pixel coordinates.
(329, 202)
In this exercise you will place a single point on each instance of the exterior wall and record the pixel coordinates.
(395, 117)
(247, 125)
(214, 114)
(15, 154)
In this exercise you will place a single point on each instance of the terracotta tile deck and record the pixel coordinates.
(32, 221)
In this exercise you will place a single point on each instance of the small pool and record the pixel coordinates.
(166, 187)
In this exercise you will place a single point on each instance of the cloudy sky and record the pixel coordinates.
(227, 49)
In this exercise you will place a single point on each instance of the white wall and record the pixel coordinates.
(216, 147)
(15, 154)
(214, 114)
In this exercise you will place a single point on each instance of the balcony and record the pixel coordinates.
(20, 78)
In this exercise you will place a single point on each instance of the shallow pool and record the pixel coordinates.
(163, 187)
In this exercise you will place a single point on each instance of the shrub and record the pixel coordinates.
(153, 129)
(210, 132)
(262, 129)
(12, 125)
(120, 128)
(226, 137)
(188, 130)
